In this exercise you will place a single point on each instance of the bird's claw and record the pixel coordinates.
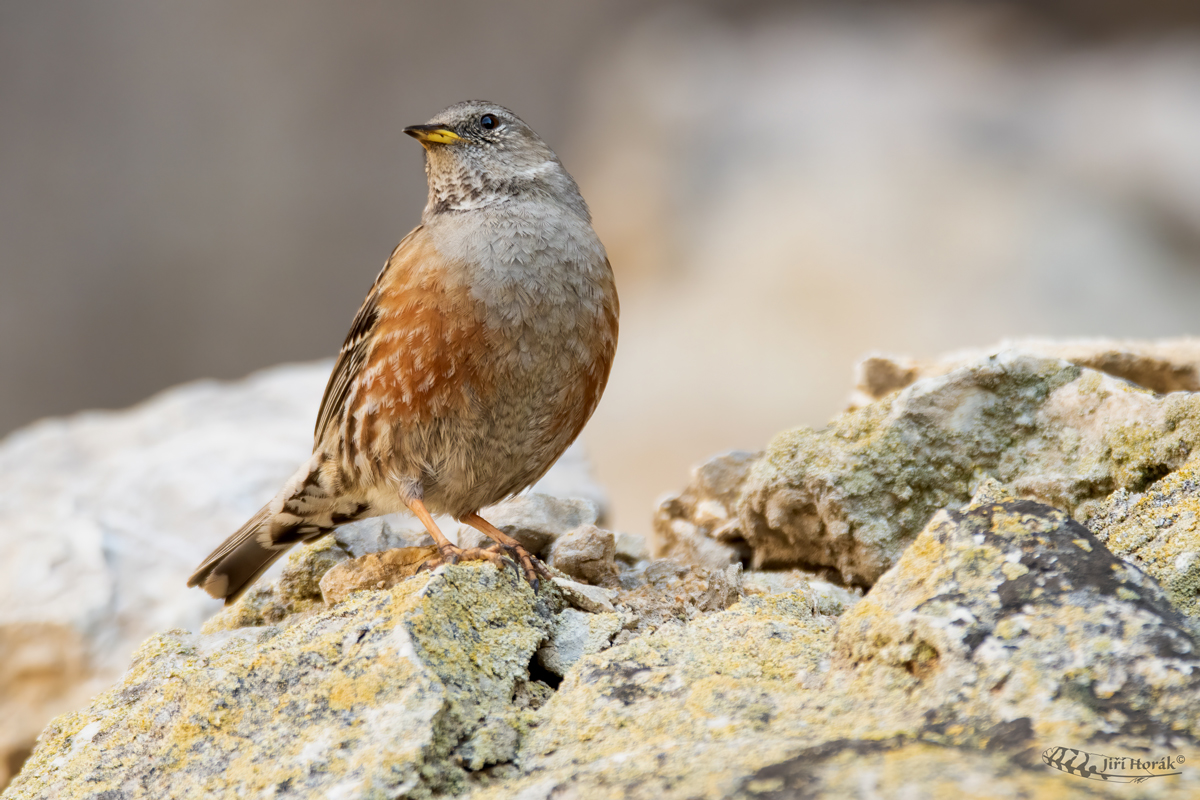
(531, 567)
(521, 560)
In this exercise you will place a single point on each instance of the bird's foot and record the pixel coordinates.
(451, 554)
(530, 565)
(525, 563)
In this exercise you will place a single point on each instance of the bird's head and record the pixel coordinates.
(479, 154)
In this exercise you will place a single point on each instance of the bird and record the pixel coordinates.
(481, 351)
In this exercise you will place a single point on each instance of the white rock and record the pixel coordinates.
(577, 634)
(593, 599)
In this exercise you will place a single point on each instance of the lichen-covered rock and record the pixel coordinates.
(535, 520)
(667, 593)
(104, 515)
(594, 599)
(700, 525)
(297, 590)
(1158, 531)
(1165, 365)
(1006, 630)
(397, 693)
(373, 571)
(587, 553)
(1009, 611)
(899, 767)
(681, 713)
(832, 598)
(852, 496)
(576, 634)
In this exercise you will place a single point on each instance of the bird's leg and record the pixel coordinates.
(450, 553)
(533, 568)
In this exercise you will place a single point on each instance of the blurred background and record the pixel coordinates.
(205, 189)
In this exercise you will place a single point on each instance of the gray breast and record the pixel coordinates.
(536, 270)
(539, 276)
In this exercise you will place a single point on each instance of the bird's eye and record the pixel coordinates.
(488, 122)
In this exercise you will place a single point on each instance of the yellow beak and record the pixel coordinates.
(432, 134)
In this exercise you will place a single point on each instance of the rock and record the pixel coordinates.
(593, 599)
(685, 542)
(830, 598)
(104, 515)
(587, 553)
(854, 495)
(670, 593)
(700, 525)
(631, 548)
(680, 713)
(1165, 365)
(1004, 631)
(1010, 612)
(575, 635)
(373, 571)
(297, 590)
(392, 532)
(867, 768)
(535, 520)
(1157, 530)
(401, 692)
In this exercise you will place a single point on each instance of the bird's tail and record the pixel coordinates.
(241, 559)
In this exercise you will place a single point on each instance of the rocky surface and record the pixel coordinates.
(576, 634)
(455, 659)
(700, 525)
(957, 632)
(665, 593)
(372, 571)
(632, 599)
(595, 599)
(1165, 365)
(104, 515)
(401, 692)
(853, 495)
(587, 553)
(1005, 631)
(785, 581)
(1157, 530)
(1009, 610)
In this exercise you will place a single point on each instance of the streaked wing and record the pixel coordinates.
(355, 349)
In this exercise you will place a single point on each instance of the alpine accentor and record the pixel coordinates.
(479, 354)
